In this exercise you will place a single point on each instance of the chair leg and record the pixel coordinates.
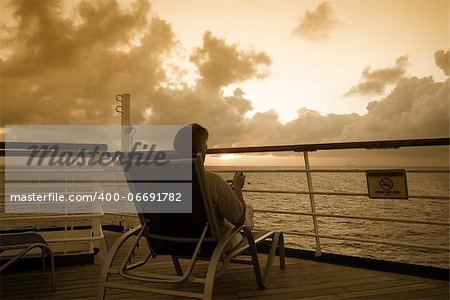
(52, 269)
(110, 258)
(255, 260)
(212, 270)
(47, 253)
(271, 256)
(176, 264)
(281, 252)
(277, 242)
(43, 255)
(257, 270)
(102, 289)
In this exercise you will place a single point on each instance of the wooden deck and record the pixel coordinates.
(302, 279)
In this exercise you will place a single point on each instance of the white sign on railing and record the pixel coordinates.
(387, 184)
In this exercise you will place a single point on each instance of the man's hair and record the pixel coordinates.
(198, 135)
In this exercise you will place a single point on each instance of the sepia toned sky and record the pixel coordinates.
(254, 72)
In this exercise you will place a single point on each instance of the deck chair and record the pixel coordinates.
(187, 235)
(27, 241)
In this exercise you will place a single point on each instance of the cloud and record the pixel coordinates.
(312, 126)
(264, 128)
(375, 82)
(223, 116)
(416, 108)
(442, 60)
(75, 79)
(316, 25)
(220, 64)
(66, 73)
(62, 72)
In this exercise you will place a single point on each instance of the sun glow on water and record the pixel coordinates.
(229, 156)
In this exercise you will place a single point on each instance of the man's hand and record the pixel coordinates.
(238, 180)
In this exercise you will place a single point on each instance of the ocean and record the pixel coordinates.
(416, 209)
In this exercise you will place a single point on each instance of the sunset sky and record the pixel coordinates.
(253, 72)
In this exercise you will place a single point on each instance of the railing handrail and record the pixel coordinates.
(299, 169)
(62, 146)
(386, 144)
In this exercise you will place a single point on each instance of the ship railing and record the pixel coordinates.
(305, 149)
(68, 231)
(308, 170)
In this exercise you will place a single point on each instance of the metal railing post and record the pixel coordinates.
(313, 204)
(124, 110)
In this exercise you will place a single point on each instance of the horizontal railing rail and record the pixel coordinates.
(62, 146)
(329, 170)
(388, 144)
(396, 220)
(330, 193)
(372, 241)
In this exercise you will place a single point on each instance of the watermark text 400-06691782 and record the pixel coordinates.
(55, 169)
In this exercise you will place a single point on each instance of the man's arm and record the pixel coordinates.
(238, 184)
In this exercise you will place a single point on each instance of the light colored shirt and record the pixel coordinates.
(227, 206)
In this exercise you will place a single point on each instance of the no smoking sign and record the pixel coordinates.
(387, 184)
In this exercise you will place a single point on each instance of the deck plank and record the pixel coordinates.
(302, 279)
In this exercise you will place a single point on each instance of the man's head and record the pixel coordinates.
(198, 135)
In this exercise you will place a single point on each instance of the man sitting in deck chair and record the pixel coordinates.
(200, 234)
(229, 204)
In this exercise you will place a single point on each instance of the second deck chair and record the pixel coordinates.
(27, 241)
(191, 235)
